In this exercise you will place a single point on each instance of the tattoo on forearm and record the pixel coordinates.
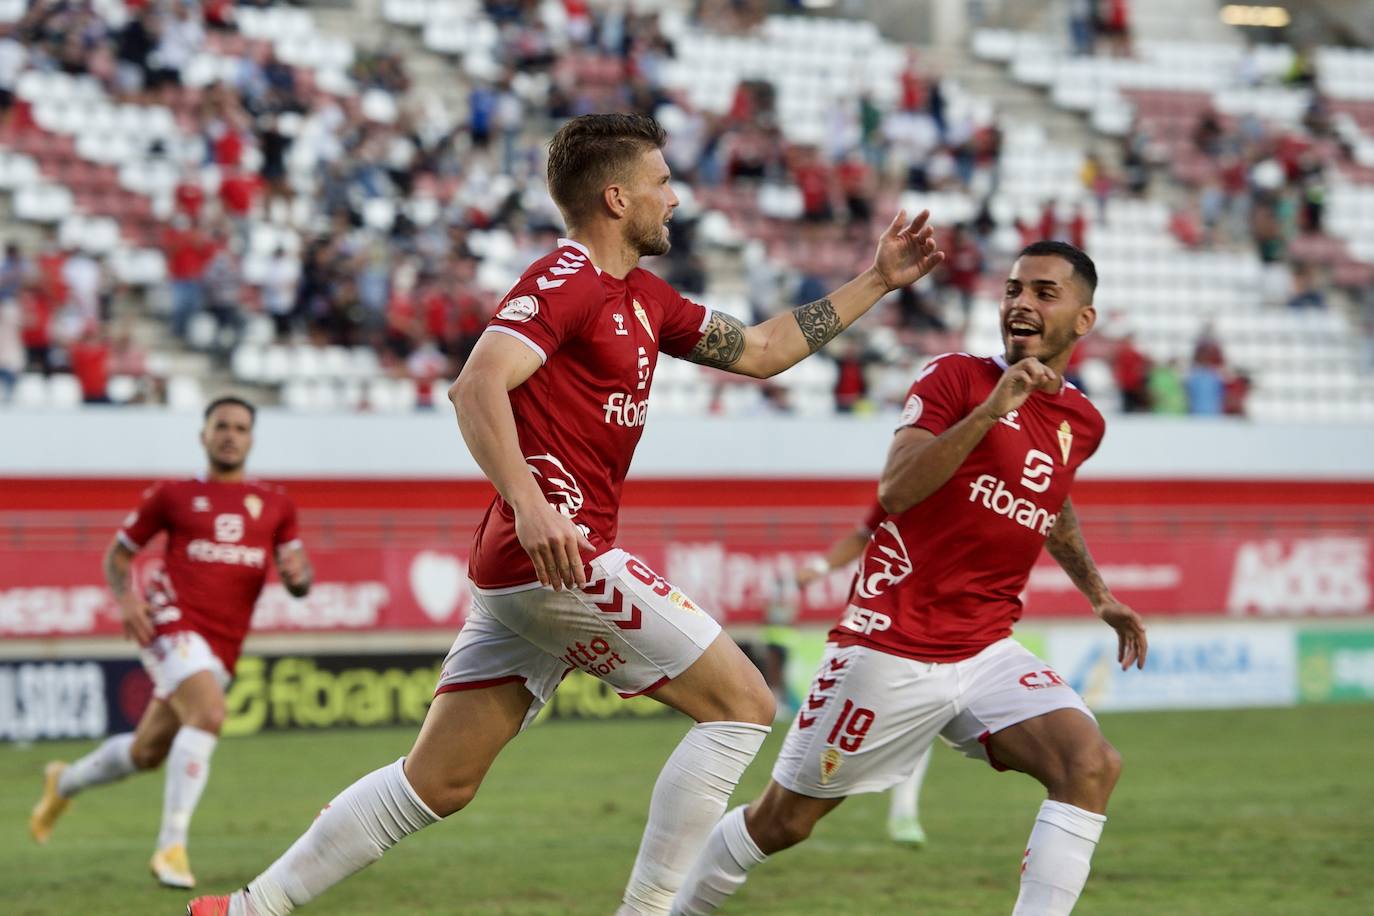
(818, 322)
(722, 344)
(116, 571)
(1070, 551)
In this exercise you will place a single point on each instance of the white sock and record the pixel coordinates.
(721, 868)
(188, 770)
(906, 794)
(689, 798)
(1058, 858)
(352, 832)
(107, 763)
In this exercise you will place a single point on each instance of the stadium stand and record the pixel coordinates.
(243, 195)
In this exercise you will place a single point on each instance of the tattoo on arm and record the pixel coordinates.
(1070, 551)
(818, 322)
(117, 568)
(722, 344)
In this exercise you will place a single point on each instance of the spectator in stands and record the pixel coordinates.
(188, 253)
(1131, 369)
(1114, 25)
(224, 295)
(963, 268)
(1234, 393)
(1307, 294)
(1207, 348)
(1082, 31)
(1206, 390)
(14, 267)
(11, 345)
(35, 308)
(90, 363)
(1166, 392)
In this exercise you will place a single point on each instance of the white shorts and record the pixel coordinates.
(870, 715)
(629, 627)
(173, 657)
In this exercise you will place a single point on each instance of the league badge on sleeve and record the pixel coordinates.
(521, 308)
(912, 411)
(1065, 440)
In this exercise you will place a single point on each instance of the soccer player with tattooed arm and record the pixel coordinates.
(976, 482)
(551, 404)
(189, 619)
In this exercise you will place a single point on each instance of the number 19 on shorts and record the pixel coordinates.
(850, 727)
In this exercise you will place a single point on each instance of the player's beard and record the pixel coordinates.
(1052, 346)
(649, 239)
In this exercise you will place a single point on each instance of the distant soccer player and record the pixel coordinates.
(977, 481)
(903, 816)
(190, 622)
(551, 404)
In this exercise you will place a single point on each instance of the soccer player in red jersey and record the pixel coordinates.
(903, 815)
(551, 404)
(977, 481)
(189, 619)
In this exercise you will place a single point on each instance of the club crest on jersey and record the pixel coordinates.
(521, 308)
(830, 762)
(1065, 440)
(643, 317)
(253, 503)
(620, 325)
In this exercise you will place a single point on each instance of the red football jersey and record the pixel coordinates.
(580, 415)
(220, 539)
(941, 581)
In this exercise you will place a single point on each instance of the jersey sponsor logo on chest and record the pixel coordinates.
(1036, 475)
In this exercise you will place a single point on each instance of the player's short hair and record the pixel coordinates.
(1082, 265)
(232, 399)
(592, 151)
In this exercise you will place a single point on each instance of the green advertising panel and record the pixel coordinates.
(1336, 666)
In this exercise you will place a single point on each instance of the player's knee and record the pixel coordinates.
(209, 718)
(1095, 768)
(148, 756)
(758, 705)
(446, 797)
(777, 828)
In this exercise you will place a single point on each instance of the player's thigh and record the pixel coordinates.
(153, 735)
(723, 685)
(488, 654)
(628, 627)
(865, 722)
(1060, 749)
(1005, 686)
(171, 658)
(462, 735)
(198, 701)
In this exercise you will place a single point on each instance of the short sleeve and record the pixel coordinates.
(551, 304)
(874, 518)
(147, 520)
(939, 397)
(287, 534)
(684, 321)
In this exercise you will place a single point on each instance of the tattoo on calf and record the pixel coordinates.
(722, 344)
(818, 322)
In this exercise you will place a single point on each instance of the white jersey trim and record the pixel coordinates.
(706, 320)
(502, 329)
(572, 243)
(127, 541)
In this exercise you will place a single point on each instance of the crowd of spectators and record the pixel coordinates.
(1206, 386)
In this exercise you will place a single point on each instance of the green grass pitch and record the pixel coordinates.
(1243, 812)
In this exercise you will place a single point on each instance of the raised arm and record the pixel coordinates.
(481, 400)
(906, 253)
(133, 609)
(1070, 551)
(919, 462)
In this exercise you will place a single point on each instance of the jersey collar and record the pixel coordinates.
(570, 243)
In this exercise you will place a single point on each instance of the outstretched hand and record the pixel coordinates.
(1131, 644)
(906, 251)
